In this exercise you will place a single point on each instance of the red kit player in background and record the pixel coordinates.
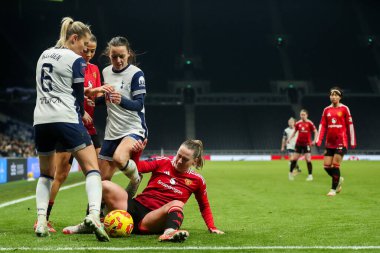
(303, 127)
(336, 122)
(159, 208)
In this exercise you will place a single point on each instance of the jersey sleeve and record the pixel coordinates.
(350, 127)
(322, 129)
(138, 84)
(149, 165)
(204, 206)
(98, 77)
(79, 70)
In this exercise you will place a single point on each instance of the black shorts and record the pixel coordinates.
(96, 141)
(332, 151)
(300, 149)
(138, 212)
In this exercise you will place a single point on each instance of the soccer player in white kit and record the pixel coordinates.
(126, 118)
(58, 119)
(290, 147)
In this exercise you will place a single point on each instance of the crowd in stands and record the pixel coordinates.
(16, 139)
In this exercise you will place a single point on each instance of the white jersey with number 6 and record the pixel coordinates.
(57, 70)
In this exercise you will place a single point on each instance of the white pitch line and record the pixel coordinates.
(216, 248)
(34, 196)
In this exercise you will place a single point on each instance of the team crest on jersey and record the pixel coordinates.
(94, 75)
(188, 182)
(339, 114)
(83, 68)
(141, 81)
(172, 181)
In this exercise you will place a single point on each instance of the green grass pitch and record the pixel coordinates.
(253, 202)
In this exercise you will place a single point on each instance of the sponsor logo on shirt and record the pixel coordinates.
(169, 187)
(333, 120)
(90, 85)
(172, 181)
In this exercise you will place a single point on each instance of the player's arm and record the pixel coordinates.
(293, 134)
(78, 68)
(351, 129)
(138, 92)
(205, 209)
(283, 142)
(315, 133)
(322, 129)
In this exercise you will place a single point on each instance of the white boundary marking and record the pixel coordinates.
(216, 248)
(34, 196)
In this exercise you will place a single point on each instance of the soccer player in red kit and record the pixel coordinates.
(159, 208)
(304, 128)
(336, 122)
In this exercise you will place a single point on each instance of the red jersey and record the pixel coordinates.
(92, 80)
(304, 128)
(167, 184)
(336, 121)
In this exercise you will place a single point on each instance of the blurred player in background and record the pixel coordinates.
(93, 89)
(290, 147)
(304, 128)
(126, 117)
(58, 119)
(159, 208)
(336, 122)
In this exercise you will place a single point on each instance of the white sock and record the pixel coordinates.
(131, 171)
(42, 196)
(94, 192)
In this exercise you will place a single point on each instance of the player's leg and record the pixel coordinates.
(122, 160)
(75, 139)
(293, 163)
(43, 193)
(168, 219)
(337, 179)
(114, 196)
(309, 166)
(327, 164)
(87, 159)
(45, 140)
(63, 165)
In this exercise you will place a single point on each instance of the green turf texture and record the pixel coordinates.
(253, 202)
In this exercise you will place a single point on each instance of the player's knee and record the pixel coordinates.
(177, 203)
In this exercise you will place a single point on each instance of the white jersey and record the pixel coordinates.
(57, 70)
(121, 122)
(287, 133)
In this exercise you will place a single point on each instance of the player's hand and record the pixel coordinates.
(86, 118)
(216, 231)
(139, 145)
(89, 102)
(282, 149)
(115, 97)
(107, 88)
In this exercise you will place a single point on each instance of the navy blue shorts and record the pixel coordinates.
(71, 137)
(109, 146)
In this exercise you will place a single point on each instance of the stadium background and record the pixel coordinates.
(228, 73)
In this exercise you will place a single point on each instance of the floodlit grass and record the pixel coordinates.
(253, 202)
